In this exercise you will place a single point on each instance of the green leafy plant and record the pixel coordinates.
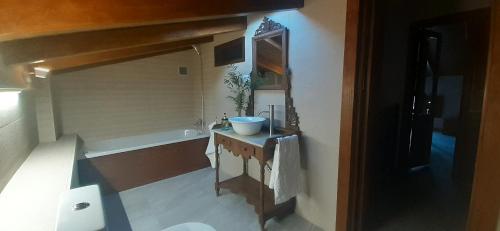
(240, 86)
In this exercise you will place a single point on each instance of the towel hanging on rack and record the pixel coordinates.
(286, 169)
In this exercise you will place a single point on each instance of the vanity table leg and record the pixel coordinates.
(262, 185)
(217, 164)
(245, 166)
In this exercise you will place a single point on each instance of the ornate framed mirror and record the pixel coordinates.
(271, 75)
(270, 56)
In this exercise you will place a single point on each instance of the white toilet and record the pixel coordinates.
(191, 226)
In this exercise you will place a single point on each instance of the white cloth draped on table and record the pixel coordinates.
(210, 152)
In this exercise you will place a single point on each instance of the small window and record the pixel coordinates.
(230, 52)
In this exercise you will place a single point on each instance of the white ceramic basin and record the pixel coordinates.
(247, 126)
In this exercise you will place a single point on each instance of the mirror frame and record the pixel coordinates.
(268, 28)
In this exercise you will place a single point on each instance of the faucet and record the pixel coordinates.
(271, 118)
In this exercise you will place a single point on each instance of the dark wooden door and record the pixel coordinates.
(424, 88)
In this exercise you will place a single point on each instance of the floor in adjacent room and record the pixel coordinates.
(427, 198)
(188, 198)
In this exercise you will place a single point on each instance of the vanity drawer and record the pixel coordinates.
(244, 149)
(225, 141)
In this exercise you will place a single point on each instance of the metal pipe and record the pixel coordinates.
(195, 48)
(271, 119)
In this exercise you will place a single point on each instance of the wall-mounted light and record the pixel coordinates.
(41, 72)
(9, 98)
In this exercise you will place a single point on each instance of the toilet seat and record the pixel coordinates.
(190, 226)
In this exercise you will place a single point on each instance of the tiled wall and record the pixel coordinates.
(130, 98)
(18, 132)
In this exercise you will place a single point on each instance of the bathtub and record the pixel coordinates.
(129, 162)
(131, 143)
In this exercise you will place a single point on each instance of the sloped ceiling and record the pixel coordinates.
(33, 18)
(67, 34)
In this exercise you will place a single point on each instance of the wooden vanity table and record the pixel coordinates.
(270, 72)
(260, 147)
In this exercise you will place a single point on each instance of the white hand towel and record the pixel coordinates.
(210, 152)
(285, 169)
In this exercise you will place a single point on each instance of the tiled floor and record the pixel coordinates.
(188, 198)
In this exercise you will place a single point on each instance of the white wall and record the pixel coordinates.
(18, 132)
(262, 99)
(316, 59)
(48, 128)
(129, 98)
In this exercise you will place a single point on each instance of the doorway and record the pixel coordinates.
(429, 185)
(416, 158)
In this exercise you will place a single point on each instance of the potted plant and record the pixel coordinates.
(240, 86)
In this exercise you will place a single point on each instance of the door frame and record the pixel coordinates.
(354, 107)
(472, 17)
(359, 40)
(484, 210)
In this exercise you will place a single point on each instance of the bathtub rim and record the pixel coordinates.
(93, 154)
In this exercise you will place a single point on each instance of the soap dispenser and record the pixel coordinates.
(225, 122)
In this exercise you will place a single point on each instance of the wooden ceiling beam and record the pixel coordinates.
(33, 18)
(40, 48)
(71, 63)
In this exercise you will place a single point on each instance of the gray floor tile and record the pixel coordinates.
(189, 198)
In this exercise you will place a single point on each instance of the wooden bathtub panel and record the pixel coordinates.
(127, 170)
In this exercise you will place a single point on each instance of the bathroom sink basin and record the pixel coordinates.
(247, 126)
